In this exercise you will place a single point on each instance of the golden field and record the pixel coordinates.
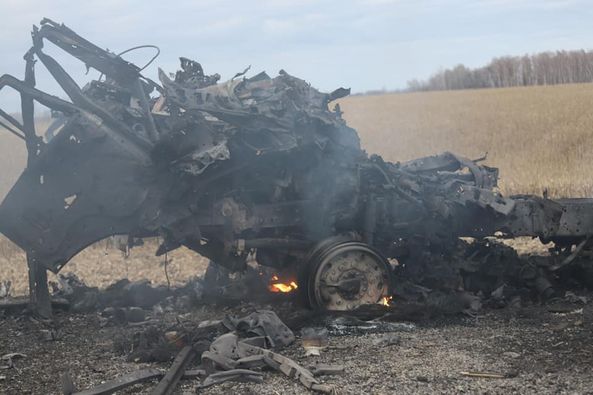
(539, 137)
(13, 158)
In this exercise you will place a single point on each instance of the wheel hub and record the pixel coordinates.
(348, 275)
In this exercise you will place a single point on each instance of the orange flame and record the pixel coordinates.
(278, 286)
(386, 300)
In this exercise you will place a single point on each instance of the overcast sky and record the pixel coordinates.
(362, 44)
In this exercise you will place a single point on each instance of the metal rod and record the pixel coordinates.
(5, 126)
(28, 109)
(11, 119)
(168, 384)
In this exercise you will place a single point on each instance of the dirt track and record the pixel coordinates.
(539, 351)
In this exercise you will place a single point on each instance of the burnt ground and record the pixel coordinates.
(538, 348)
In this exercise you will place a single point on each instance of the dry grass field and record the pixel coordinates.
(13, 157)
(539, 137)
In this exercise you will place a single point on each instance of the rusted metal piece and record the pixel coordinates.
(254, 166)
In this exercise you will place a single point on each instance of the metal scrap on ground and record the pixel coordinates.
(229, 357)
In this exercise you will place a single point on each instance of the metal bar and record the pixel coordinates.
(106, 62)
(28, 109)
(11, 119)
(38, 289)
(122, 382)
(139, 376)
(56, 103)
(152, 129)
(167, 385)
(572, 256)
(5, 126)
(78, 98)
(47, 100)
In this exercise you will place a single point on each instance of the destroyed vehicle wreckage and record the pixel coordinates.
(252, 167)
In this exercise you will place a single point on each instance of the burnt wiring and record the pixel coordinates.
(158, 52)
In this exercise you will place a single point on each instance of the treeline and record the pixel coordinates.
(546, 68)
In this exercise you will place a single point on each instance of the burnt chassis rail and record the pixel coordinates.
(109, 171)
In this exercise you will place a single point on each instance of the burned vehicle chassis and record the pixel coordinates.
(251, 169)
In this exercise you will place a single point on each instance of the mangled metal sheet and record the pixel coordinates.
(254, 165)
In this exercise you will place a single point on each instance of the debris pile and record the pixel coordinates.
(477, 272)
(232, 349)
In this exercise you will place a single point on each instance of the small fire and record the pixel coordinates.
(386, 300)
(277, 286)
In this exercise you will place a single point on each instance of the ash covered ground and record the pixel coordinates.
(535, 346)
(539, 351)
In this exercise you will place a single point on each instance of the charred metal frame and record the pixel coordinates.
(254, 165)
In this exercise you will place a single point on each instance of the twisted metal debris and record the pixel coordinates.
(255, 167)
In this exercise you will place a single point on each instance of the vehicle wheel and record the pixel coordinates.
(345, 275)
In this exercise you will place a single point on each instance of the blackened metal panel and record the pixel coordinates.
(84, 186)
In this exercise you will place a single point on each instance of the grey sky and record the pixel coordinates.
(362, 44)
